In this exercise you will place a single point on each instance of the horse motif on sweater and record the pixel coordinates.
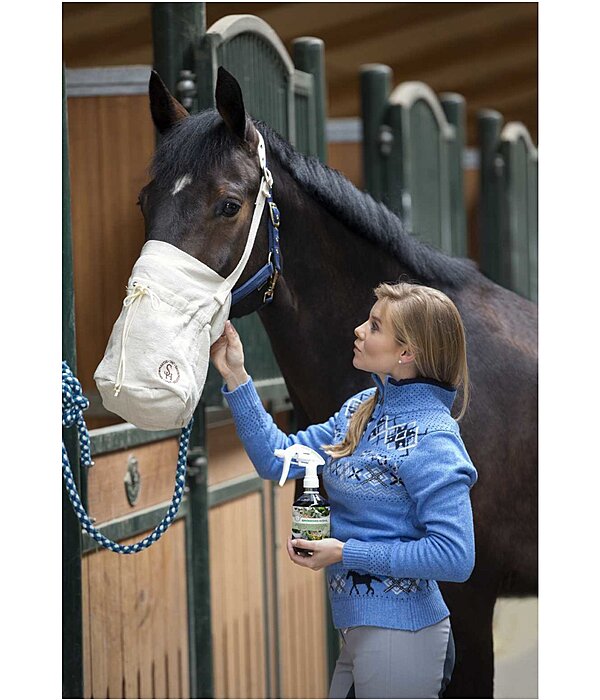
(362, 580)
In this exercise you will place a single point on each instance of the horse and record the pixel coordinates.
(362, 580)
(337, 244)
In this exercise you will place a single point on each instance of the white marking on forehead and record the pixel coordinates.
(181, 183)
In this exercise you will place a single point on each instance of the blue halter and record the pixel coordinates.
(274, 266)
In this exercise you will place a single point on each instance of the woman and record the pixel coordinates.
(398, 479)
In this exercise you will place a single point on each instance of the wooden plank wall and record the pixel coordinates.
(111, 141)
(135, 606)
(135, 621)
(238, 587)
(237, 607)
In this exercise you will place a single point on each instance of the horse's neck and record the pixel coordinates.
(326, 290)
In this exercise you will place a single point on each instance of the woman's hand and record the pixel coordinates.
(227, 353)
(324, 552)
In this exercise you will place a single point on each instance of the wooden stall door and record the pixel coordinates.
(268, 615)
(135, 609)
(136, 621)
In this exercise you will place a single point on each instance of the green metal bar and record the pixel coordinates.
(396, 168)
(177, 28)
(304, 107)
(445, 198)
(532, 212)
(489, 123)
(198, 563)
(132, 525)
(125, 436)
(454, 107)
(515, 157)
(72, 616)
(204, 69)
(375, 83)
(235, 488)
(308, 54)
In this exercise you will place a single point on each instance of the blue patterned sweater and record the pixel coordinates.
(400, 502)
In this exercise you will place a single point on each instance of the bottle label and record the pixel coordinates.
(310, 522)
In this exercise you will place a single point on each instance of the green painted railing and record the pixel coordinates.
(509, 204)
(309, 58)
(412, 155)
(413, 146)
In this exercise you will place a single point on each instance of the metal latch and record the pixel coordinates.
(133, 481)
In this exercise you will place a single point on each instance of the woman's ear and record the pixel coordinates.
(406, 356)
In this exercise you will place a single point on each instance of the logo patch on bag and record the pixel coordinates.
(169, 372)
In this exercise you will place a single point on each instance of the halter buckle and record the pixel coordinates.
(275, 216)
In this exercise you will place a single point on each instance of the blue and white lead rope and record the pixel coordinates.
(74, 404)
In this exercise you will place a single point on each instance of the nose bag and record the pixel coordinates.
(154, 368)
(156, 361)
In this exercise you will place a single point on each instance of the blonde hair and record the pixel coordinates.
(428, 323)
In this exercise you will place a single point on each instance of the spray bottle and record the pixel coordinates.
(310, 512)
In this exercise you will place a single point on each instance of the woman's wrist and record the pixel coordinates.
(236, 378)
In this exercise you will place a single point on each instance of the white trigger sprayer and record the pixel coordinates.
(304, 457)
(310, 512)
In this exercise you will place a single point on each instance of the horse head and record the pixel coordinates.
(205, 179)
(204, 209)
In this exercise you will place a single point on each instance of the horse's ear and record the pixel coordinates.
(228, 96)
(165, 109)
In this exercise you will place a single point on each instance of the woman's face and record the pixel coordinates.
(375, 348)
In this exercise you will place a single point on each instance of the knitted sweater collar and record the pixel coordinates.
(420, 393)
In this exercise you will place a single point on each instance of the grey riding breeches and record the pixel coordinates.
(377, 662)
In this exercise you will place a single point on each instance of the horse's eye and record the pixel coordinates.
(230, 208)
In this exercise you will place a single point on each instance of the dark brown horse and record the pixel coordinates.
(337, 245)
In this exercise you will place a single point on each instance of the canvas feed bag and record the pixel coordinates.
(155, 365)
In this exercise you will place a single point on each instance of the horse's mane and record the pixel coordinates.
(185, 149)
(364, 216)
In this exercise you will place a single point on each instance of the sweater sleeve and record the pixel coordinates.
(438, 476)
(261, 436)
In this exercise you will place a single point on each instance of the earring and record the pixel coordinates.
(399, 362)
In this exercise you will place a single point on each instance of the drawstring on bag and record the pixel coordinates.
(135, 293)
(74, 403)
